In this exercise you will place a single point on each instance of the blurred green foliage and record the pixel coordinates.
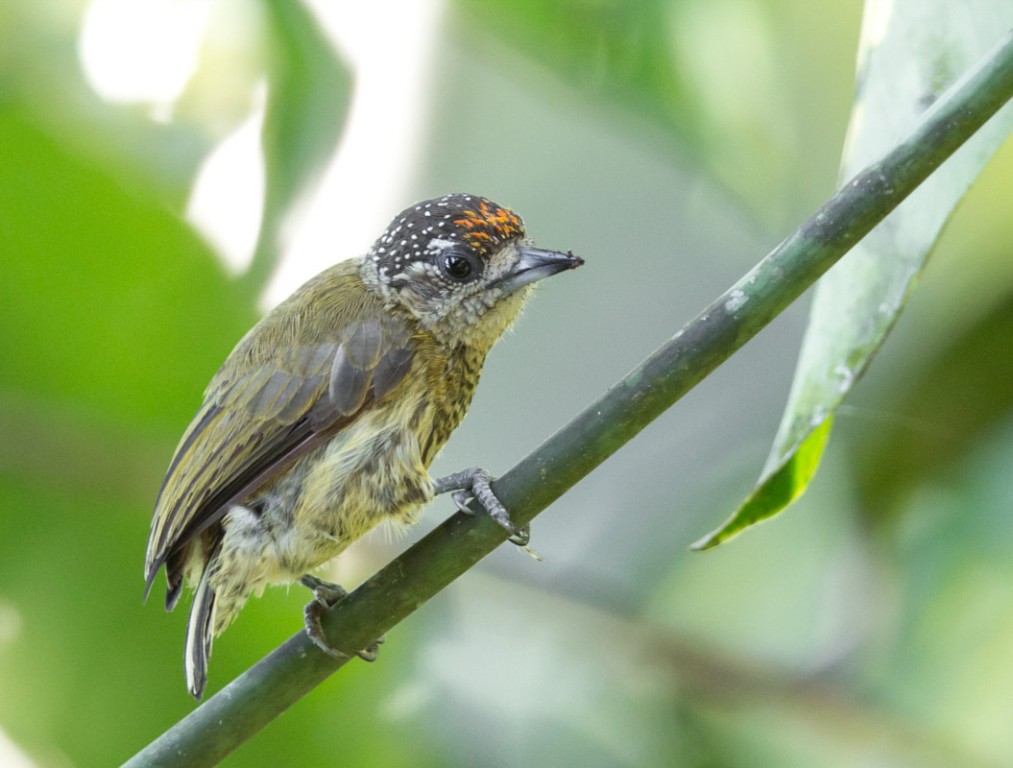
(909, 56)
(671, 144)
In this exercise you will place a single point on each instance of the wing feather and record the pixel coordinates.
(278, 409)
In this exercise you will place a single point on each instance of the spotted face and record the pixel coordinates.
(445, 259)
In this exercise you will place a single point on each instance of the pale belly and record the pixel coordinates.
(366, 475)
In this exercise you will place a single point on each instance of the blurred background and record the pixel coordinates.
(170, 169)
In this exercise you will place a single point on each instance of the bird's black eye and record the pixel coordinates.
(457, 266)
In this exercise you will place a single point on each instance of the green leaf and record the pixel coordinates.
(309, 91)
(779, 489)
(910, 52)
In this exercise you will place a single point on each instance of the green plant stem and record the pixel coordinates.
(276, 682)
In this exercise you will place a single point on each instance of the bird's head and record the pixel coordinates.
(459, 265)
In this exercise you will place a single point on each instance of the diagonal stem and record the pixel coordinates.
(264, 691)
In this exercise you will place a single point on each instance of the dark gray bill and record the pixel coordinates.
(535, 264)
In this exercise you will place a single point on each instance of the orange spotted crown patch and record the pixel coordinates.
(488, 225)
(421, 232)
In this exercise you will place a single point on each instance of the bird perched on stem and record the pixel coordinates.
(324, 419)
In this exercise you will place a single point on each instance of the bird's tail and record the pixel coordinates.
(199, 635)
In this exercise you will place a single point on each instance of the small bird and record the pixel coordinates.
(324, 420)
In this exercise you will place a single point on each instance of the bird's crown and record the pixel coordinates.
(456, 234)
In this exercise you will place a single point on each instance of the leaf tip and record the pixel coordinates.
(710, 541)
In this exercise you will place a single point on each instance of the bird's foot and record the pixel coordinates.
(475, 483)
(326, 595)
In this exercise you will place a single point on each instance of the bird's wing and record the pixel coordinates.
(256, 425)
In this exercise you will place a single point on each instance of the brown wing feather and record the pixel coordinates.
(261, 421)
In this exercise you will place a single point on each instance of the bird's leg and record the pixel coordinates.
(327, 595)
(475, 483)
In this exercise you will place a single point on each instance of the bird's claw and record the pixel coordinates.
(327, 593)
(521, 537)
(476, 483)
(326, 596)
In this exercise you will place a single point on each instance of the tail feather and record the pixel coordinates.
(174, 567)
(199, 635)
